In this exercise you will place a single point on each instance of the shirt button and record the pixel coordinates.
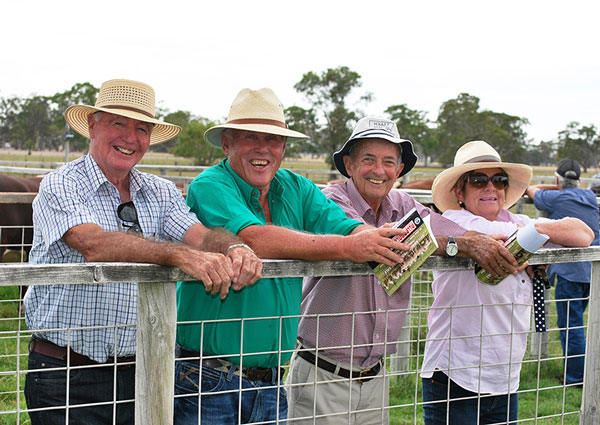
(376, 336)
(254, 193)
(258, 210)
(522, 280)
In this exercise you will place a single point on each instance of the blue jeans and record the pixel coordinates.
(89, 385)
(574, 309)
(492, 408)
(258, 404)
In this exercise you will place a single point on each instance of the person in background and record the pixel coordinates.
(100, 208)
(566, 199)
(232, 350)
(349, 324)
(478, 332)
(595, 185)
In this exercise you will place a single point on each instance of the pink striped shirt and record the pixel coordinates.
(358, 322)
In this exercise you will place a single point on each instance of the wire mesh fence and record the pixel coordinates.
(544, 398)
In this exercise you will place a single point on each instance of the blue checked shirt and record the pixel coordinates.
(97, 321)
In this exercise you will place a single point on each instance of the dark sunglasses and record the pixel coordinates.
(480, 180)
(128, 214)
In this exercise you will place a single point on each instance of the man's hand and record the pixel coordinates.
(247, 267)
(373, 244)
(213, 269)
(491, 254)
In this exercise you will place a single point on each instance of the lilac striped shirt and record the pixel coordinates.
(357, 318)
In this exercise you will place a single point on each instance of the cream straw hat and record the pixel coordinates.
(475, 156)
(254, 110)
(127, 98)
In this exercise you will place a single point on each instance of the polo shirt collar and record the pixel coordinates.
(249, 192)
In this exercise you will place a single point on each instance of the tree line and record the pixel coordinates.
(37, 123)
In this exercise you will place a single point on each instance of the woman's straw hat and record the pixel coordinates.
(475, 156)
(255, 110)
(127, 98)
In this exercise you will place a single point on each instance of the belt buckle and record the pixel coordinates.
(361, 373)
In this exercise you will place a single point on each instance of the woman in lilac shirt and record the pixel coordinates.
(478, 332)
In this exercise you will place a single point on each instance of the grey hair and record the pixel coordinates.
(98, 115)
(354, 149)
(565, 182)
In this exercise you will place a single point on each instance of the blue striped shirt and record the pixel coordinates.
(94, 320)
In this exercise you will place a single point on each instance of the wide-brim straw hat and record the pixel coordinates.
(255, 110)
(372, 127)
(475, 156)
(127, 98)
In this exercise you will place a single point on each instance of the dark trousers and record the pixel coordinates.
(473, 410)
(44, 389)
(572, 334)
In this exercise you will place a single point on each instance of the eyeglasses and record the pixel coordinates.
(480, 180)
(127, 213)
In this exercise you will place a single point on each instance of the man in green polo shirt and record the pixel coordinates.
(279, 214)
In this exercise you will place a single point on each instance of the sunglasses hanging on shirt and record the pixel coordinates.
(128, 214)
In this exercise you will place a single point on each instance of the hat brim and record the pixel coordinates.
(442, 192)
(213, 134)
(77, 117)
(409, 159)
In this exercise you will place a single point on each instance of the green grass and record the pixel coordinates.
(10, 326)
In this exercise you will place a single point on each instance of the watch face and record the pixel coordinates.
(452, 250)
(451, 247)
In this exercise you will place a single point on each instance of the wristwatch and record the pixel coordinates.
(451, 247)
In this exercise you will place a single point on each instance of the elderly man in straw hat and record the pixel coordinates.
(566, 199)
(478, 332)
(243, 340)
(351, 319)
(100, 208)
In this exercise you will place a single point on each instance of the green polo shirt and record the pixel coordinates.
(262, 311)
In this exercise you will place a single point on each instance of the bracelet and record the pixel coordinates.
(238, 245)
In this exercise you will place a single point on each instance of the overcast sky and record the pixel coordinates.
(534, 59)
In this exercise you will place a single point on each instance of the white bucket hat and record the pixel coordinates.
(127, 98)
(475, 156)
(372, 127)
(255, 110)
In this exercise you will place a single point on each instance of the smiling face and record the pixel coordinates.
(486, 202)
(374, 165)
(254, 156)
(117, 143)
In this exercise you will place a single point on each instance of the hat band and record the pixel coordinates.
(483, 158)
(258, 121)
(129, 108)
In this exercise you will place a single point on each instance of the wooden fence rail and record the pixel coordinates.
(156, 319)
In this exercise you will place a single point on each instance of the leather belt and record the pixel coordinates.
(50, 349)
(222, 365)
(362, 375)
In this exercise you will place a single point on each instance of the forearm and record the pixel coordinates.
(568, 231)
(279, 242)
(97, 245)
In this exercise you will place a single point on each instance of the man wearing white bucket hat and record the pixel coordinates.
(280, 215)
(351, 319)
(478, 332)
(100, 208)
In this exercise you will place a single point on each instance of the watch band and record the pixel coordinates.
(238, 245)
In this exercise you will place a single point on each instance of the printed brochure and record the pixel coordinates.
(422, 244)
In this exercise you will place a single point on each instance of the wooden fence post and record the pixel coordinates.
(590, 401)
(155, 359)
